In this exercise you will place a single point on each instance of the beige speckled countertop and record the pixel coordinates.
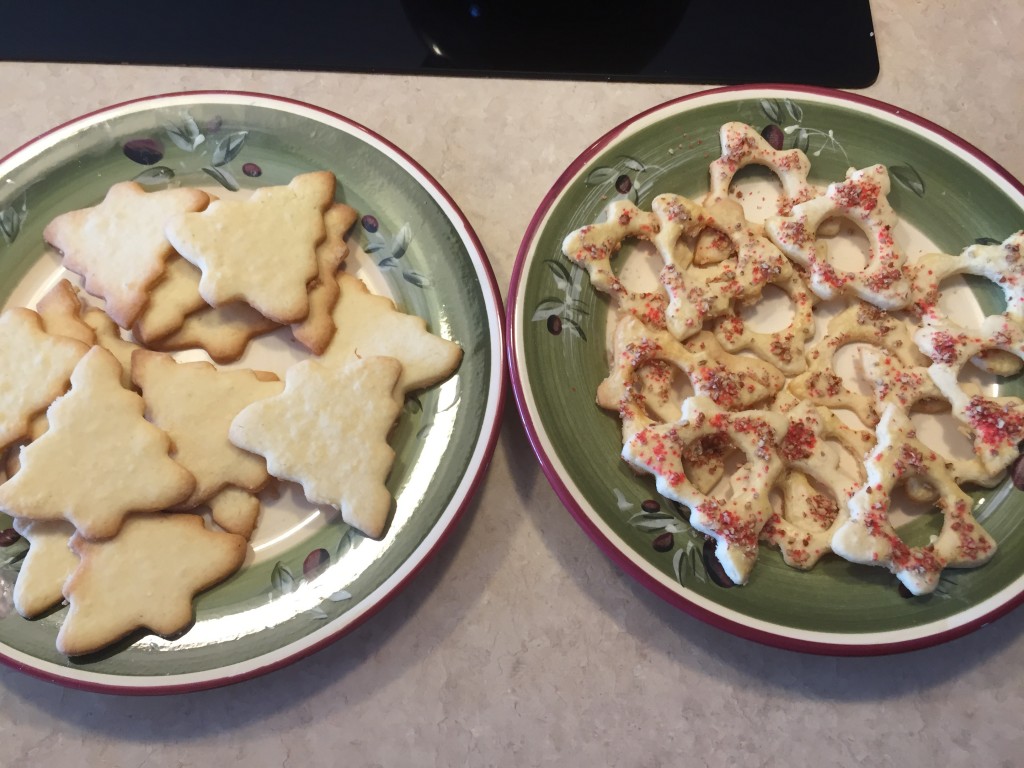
(520, 643)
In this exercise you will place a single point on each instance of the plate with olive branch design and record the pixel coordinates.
(947, 191)
(308, 577)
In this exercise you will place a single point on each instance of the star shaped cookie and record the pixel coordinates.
(34, 370)
(328, 431)
(99, 441)
(118, 247)
(261, 250)
(371, 325)
(46, 567)
(143, 578)
(198, 424)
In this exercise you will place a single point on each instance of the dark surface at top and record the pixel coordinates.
(701, 41)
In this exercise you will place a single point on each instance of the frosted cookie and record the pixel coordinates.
(861, 198)
(802, 529)
(194, 404)
(595, 245)
(699, 294)
(728, 381)
(112, 461)
(869, 537)
(35, 368)
(317, 330)
(859, 323)
(1002, 264)
(46, 567)
(261, 250)
(328, 431)
(144, 578)
(735, 522)
(785, 349)
(118, 247)
(994, 425)
(742, 145)
(61, 312)
(371, 325)
(223, 332)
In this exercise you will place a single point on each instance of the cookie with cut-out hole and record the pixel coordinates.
(1002, 264)
(995, 425)
(593, 247)
(145, 578)
(786, 348)
(869, 537)
(860, 323)
(802, 528)
(371, 325)
(45, 568)
(261, 250)
(328, 432)
(860, 198)
(119, 247)
(743, 146)
(734, 522)
(112, 461)
(194, 404)
(35, 369)
(729, 381)
(698, 294)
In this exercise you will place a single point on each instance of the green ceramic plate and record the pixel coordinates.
(309, 577)
(945, 189)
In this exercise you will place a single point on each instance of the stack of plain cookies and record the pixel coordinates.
(114, 449)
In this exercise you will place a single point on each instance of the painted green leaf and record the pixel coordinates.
(10, 224)
(677, 566)
(388, 262)
(803, 141)
(373, 247)
(281, 579)
(986, 241)
(908, 177)
(547, 308)
(345, 543)
(158, 174)
(575, 328)
(633, 164)
(561, 274)
(223, 177)
(771, 110)
(402, 240)
(600, 175)
(644, 187)
(229, 147)
(795, 111)
(178, 137)
(420, 281)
